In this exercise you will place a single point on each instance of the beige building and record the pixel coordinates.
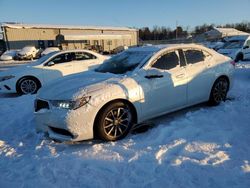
(106, 39)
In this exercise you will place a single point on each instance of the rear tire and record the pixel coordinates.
(219, 91)
(114, 122)
(28, 86)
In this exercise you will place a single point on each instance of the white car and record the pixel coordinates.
(29, 78)
(28, 53)
(49, 50)
(8, 55)
(130, 88)
(237, 47)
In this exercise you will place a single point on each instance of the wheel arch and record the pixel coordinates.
(217, 78)
(130, 104)
(25, 77)
(223, 76)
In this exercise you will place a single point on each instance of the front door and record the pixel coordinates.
(85, 61)
(166, 91)
(59, 66)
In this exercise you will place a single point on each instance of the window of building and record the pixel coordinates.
(41, 44)
(50, 43)
(167, 61)
(109, 42)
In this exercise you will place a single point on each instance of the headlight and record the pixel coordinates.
(72, 105)
(3, 78)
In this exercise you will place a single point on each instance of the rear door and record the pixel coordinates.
(85, 61)
(198, 75)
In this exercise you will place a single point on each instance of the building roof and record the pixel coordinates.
(95, 37)
(224, 32)
(47, 26)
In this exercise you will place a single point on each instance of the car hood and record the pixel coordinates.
(70, 87)
(228, 51)
(6, 57)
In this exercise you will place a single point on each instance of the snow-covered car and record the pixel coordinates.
(29, 78)
(49, 50)
(237, 47)
(131, 87)
(28, 53)
(8, 55)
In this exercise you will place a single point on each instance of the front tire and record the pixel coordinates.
(219, 91)
(114, 122)
(28, 86)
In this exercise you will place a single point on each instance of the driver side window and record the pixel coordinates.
(248, 43)
(167, 61)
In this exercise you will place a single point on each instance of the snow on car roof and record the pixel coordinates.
(155, 48)
(48, 26)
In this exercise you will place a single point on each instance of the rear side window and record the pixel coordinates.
(194, 56)
(167, 61)
(63, 58)
(83, 56)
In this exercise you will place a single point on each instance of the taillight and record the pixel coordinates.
(233, 63)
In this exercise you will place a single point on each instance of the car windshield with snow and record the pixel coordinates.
(237, 47)
(131, 88)
(124, 62)
(233, 44)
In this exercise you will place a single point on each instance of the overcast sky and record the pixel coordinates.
(132, 13)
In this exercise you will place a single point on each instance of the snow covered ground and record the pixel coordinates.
(197, 147)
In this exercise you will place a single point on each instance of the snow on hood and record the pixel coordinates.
(71, 86)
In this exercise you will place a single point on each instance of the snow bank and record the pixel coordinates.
(197, 147)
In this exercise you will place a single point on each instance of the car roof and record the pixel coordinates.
(78, 50)
(156, 48)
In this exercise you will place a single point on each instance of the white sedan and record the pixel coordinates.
(8, 55)
(130, 88)
(27, 79)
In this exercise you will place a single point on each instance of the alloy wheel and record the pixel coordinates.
(220, 91)
(28, 86)
(117, 122)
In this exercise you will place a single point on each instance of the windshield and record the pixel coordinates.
(233, 44)
(123, 62)
(44, 58)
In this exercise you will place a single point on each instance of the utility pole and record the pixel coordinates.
(176, 32)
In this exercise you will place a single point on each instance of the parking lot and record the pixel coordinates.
(203, 145)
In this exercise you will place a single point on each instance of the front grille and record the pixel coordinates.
(40, 104)
(62, 132)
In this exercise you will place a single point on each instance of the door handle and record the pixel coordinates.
(180, 75)
(153, 76)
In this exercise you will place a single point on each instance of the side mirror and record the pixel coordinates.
(51, 63)
(153, 73)
(245, 47)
